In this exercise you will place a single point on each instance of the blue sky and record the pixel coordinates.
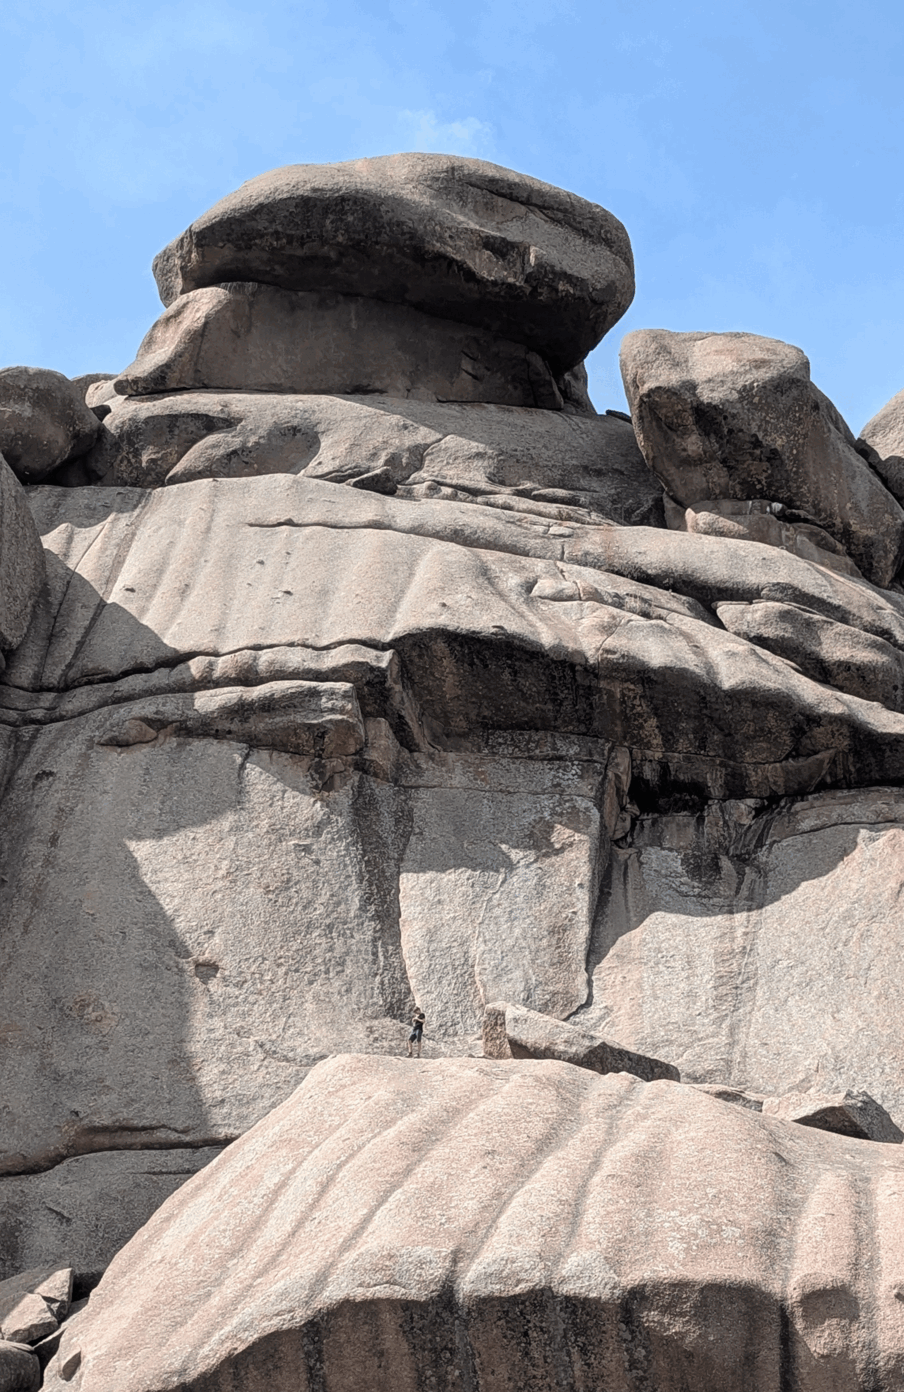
(753, 151)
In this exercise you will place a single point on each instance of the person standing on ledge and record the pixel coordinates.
(417, 1030)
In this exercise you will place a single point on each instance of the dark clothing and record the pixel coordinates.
(417, 1028)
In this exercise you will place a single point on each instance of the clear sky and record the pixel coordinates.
(752, 149)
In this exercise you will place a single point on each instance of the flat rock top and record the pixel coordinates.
(458, 238)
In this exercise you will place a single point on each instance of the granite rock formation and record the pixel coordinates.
(517, 1224)
(354, 664)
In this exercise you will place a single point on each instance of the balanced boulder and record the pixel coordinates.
(43, 421)
(735, 416)
(457, 238)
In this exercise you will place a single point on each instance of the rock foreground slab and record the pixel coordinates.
(501, 1225)
(458, 238)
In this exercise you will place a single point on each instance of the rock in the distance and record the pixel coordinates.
(847, 1113)
(20, 1370)
(883, 439)
(458, 238)
(21, 560)
(43, 421)
(248, 337)
(508, 1225)
(734, 415)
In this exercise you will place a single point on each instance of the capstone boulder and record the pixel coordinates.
(456, 238)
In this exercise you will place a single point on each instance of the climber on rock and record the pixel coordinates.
(417, 1030)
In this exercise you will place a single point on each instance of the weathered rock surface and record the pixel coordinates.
(32, 1303)
(526, 1033)
(847, 1113)
(499, 456)
(87, 1208)
(457, 238)
(882, 443)
(21, 560)
(735, 416)
(757, 946)
(526, 1223)
(248, 337)
(20, 1370)
(427, 720)
(43, 421)
(762, 521)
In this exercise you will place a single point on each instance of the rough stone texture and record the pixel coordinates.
(526, 1224)
(726, 1094)
(43, 421)
(248, 337)
(426, 720)
(496, 455)
(457, 238)
(762, 521)
(84, 1209)
(20, 1370)
(21, 560)
(882, 443)
(529, 1034)
(736, 416)
(847, 1113)
(32, 1303)
(86, 380)
(758, 946)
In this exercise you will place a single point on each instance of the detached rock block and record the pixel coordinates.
(847, 1113)
(33, 1303)
(513, 1031)
(735, 416)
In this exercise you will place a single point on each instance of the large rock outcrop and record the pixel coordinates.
(520, 1224)
(322, 705)
(457, 238)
